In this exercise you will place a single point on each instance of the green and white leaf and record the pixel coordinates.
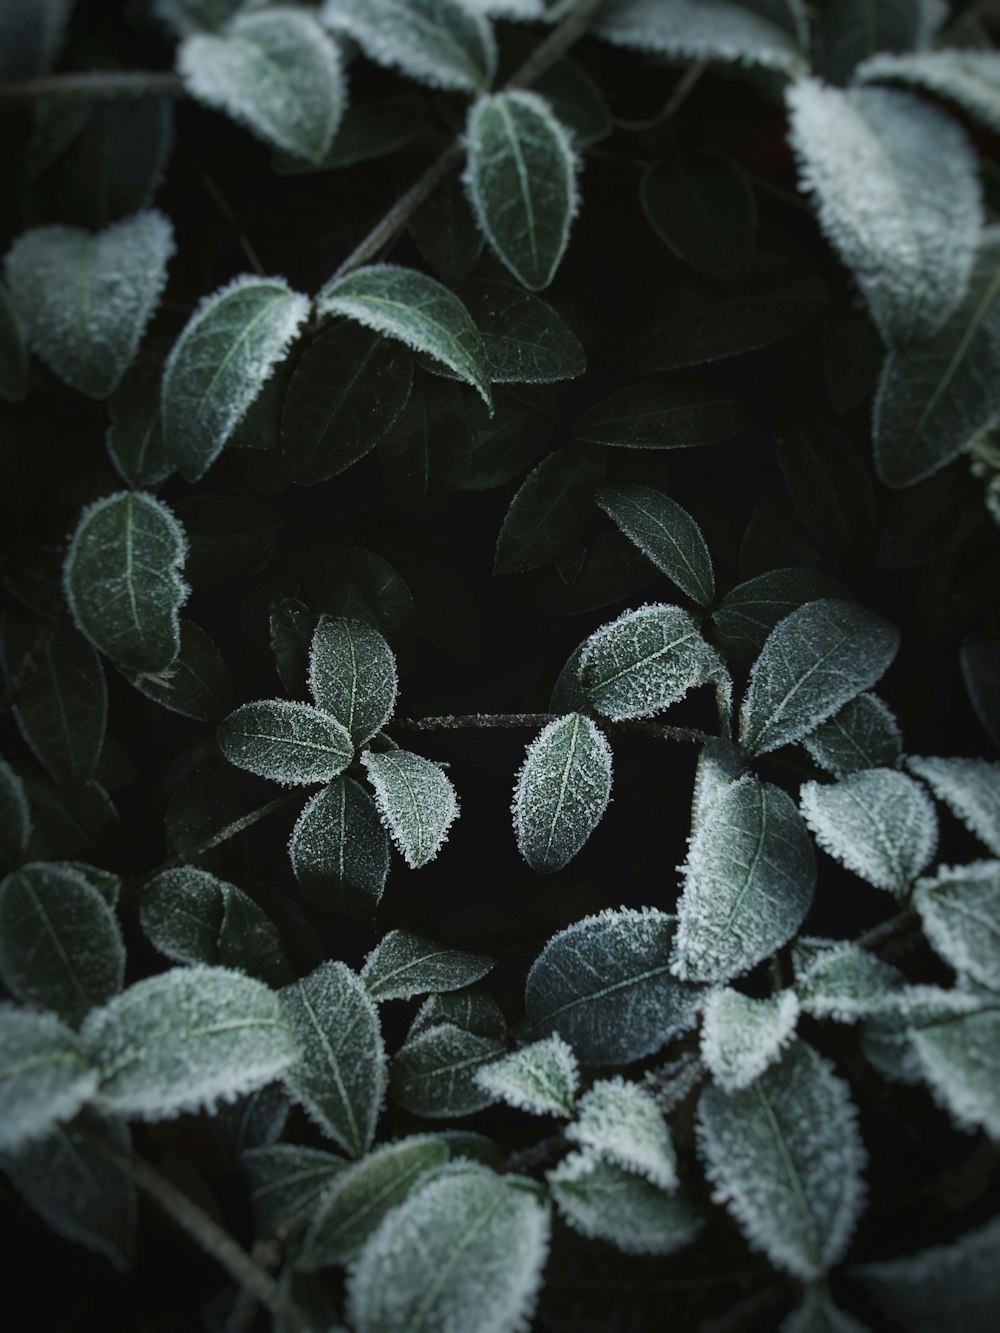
(352, 675)
(541, 1078)
(562, 791)
(888, 1035)
(339, 850)
(818, 1314)
(187, 16)
(471, 1009)
(748, 613)
(960, 1061)
(689, 30)
(526, 341)
(863, 734)
(665, 532)
(434, 1073)
(290, 743)
(416, 802)
(959, 908)
(403, 965)
(286, 1182)
(970, 788)
(741, 1037)
(840, 981)
(621, 1122)
(45, 1075)
(968, 78)
(720, 764)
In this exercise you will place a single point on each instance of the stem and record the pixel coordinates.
(535, 721)
(537, 1154)
(873, 939)
(97, 83)
(248, 820)
(682, 89)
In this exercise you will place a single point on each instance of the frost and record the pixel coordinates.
(688, 30)
(844, 983)
(289, 743)
(45, 1075)
(960, 1059)
(416, 802)
(664, 532)
(720, 764)
(621, 1122)
(471, 1010)
(541, 1078)
(970, 79)
(741, 1037)
(864, 154)
(434, 1073)
(971, 790)
(352, 675)
(286, 1181)
(403, 965)
(786, 1157)
(339, 850)
(864, 734)
(960, 912)
(562, 791)
(85, 298)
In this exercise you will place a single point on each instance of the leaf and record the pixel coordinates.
(425, 456)
(447, 235)
(352, 676)
(186, 1039)
(13, 352)
(15, 818)
(61, 946)
(818, 1314)
(831, 490)
(415, 310)
(471, 1009)
(604, 985)
(749, 612)
(879, 823)
(255, 1120)
(971, 790)
(198, 683)
(363, 1195)
(959, 909)
(979, 656)
(689, 30)
(621, 1122)
(786, 1156)
(416, 802)
(720, 764)
(85, 298)
(525, 340)
(550, 510)
(134, 439)
(849, 30)
(521, 178)
(645, 661)
(843, 982)
(60, 701)
(959, 1060)
(434, 1073)
(341, 1077)
(970, 79)
(287, 1181)
(291, 625)
(339, 849)
(403, 965)
(748, 882)
(186, 16)
(666, 533)
(367, 131)
(277, 72)
(600, 1199)
(911, 250)
(123, 580)
(814, 661)
(935, 397)
(701, 206)
(576, 100)
(219, 364)
(347, 391)
(289, 743)
(541, 1078)
(741, 1037)
(45, 1075)
(498, 1228)
(863, 734)
(561, 792)
(443, 43)
(663, 412)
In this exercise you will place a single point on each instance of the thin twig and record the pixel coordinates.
(535, 721)
(222, 204)
(878, 935)
(537, 1154)
(246, 821)
(97, 83)
(680, 92)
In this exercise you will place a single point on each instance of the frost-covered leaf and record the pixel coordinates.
(526, 341)
(550, 510)
(363, 1195)
(562, 791)
(541, 1078)
(434, 1073)
(471, 1009)
(415, 800)
(15, 817)
(960, 911)
(45, 1075)
(521, 178)
(620, 1121)
(848, 31)
(198, 683)
(741, 1037)
(603, 1200)
(749, 612)
(403, 965)
(842, 982)
(352, 675)
(255, 1120)
(702, 207)
(665, 532)
(61, 946)
(187, 16)
(425, 457)
(971, 790)
(663, 412)
(895, 1019)
(960, 1060)
(187, 1039)
(340, 1079)
(339, 849)
(831, 489)
(290, 743)
(878, 822)
(13, 352)
(863, 734)
(863, 154)
(496, 1225)
(970, 79)
(415, 310)
(688, 30)
(748, 882)
(604, 985)
(818, 1314)
(813, 662)
(277, 72)
(85, 298)
(645, 661)
(720, 764)
(443, 43)
(786, 1156)
(286, 1181)
(123, 580)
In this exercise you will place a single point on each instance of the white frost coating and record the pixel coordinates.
(879, 823)
(416, 802)
(434, 1073)
(221, 361)
(970, 79)
(471, 1009)
(520, 176)
(403, 965)
(442, 43)
(701, 30)
(646, 660)
(338, 845)
(288, 742)
(408, 1278)
(865, 155)
(864, 734)
(971, 790)
(541, 1078)
(45, 1075)
(562, 791)
(620, 1121)
(959, 909)
(741, 1037)
(666, 533)
(85, 298)
(786, 1157)
(720, 763)
(961, 1062)
(845, 983)
(187, 1039)
(748, 883)
(352, 675)
(600, 1199)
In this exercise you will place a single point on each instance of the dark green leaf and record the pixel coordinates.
(425, 456)
(749, 612)
(135, 434)
(550, 510)
(289, 743)
(403, 965)
(526, 341)
(701, 206)
(433, 1074)
(339, 849)
(15, 817)
(45, 1075)
(831, 490)
(13, 352)
(561, 792)
(666, 533)
(352, 676)
(665, 412)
